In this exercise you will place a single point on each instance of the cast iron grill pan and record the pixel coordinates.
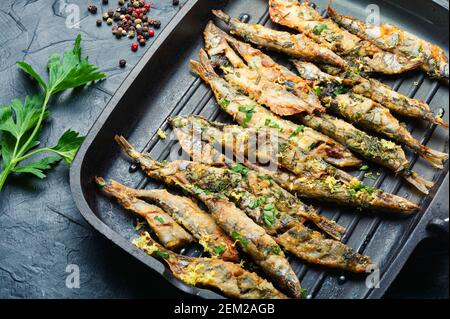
(161, 86)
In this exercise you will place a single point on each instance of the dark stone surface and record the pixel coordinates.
(41, 231)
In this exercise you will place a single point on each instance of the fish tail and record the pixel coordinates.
(436, 158)
(439, 121)
(331, 228)
(143, 159)
(204, 68)
(222, 16)
(419, 182)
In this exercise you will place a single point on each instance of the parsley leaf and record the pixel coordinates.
(219, 250)
(162, 254)
(241, 169)
(68, 145)
(299, 129)
(37, 168)
(318, 29)
(21, 122)
(239, 238)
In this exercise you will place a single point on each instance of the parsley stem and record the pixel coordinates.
(3, 175)
(24, 157)
(37, 127)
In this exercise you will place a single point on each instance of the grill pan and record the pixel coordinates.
(161, 85)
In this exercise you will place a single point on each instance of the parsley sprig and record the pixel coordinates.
(22, 121)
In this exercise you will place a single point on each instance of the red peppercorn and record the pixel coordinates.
(147, 6)
(134, 46)
(151, 32)
(138, 11)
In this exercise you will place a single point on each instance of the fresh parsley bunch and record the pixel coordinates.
(21, 122)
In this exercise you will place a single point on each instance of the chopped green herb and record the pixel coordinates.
(241, 169)
(299, 129)
(219, 250)
(100, 182)
(272, 124)
(318, 90)
(370, 175)
(249, 110)
(318, 29)
(269, 214)
(364, 168)
(160, 219)
(199, 191)
(303, 293)
(340, 91)
(239, 238)
(224, 103)
(162, 254)
(254, 204)
(276, 249)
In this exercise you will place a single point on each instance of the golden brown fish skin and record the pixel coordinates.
(229, 278)
(261, 186)
(281, 101)
(252, 238)
(364, 112)
(317, 250)
(355, 108)
(393, 39)
(357, 52)
(198, 222)
(299, 45)
(232, 102)
(372, 116)
(373, 89)
(254, 241)
(386, 152)
(311, 177)
(217, 182)
(380, 151)
(171, 235)
(396, 101)
(275, 200)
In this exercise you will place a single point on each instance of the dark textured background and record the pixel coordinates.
(41, 231)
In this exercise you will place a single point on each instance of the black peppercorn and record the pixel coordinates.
(116, 16)
(122, 63)
(92, 9)
(98, 22)
(110, 13)
(142, 42)
(105, 1)
(313, 5)
(176, 2)
(155, 23)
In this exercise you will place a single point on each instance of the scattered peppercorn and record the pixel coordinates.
(176, 2)
(122, 63)
(92, 9)
(121, 2)
(136, 4)
(134, 46)
(105, 1)
(142, 42)
(110, 13)
(155, 23)
(151, 33)
(98, 22)
(109, 21)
